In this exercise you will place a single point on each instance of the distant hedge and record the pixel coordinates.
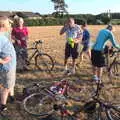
(44, 22)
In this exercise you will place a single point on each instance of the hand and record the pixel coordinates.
(76, 41)
(1, 61)
(18, 42)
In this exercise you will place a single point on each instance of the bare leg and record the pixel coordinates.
(99, 72)
(12, 92)
(94, 70)
(4, 95)
(89, 53)
(65, 63)
(73, 65)
(81, 56)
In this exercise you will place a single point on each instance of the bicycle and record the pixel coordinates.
(43, 100)
(38, 58)
(114, 67)
(99, 109)
(48, 96)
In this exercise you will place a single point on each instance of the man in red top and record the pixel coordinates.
(20, 36)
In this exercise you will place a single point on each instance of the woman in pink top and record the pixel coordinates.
(20, 37)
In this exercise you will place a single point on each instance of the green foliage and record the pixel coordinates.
(45, 22)
(55, 19)
(60, 7)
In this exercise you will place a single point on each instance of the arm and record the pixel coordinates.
(113, 41)
(5, 60)
(63, 30)
(13, 34)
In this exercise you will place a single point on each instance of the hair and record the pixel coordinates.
(4, 22)
(109, 27)
(16, 21)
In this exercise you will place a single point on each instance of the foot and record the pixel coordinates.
(11, 99)
(3, 108)
(73, 71)
(25, 68)
(95, 78)
(66, 72)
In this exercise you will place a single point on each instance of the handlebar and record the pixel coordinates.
(36, 43)
(115, 52)
(39, 42)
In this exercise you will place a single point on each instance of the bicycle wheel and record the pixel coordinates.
(79, 91)
(95, 111)
(110, 93)
(31, 58)
(44, 62)
(114, 70)
(38, 104)
(113, 113)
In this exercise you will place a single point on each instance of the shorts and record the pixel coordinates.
(7, 79)
(98, 58)
(85, 48)
(71, 52)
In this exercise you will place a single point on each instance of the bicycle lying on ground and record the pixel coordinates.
(40, 98)
(37, 58)
(46, 100)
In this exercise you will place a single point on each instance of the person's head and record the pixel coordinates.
(109, 27)
(71, 22)
(4, 24)
(83, 26)
(19, 22)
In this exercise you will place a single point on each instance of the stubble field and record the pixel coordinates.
(54, 45)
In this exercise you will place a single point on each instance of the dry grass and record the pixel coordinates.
(53, 45)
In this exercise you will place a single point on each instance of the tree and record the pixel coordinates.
(60, 7)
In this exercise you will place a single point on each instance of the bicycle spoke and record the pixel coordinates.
(44, 62)
(38, 104)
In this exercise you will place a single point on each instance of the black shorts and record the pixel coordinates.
(98, 58)
(71, 52)
(85, 48)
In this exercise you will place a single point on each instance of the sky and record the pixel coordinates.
(74, 6)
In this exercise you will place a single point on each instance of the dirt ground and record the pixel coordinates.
(53, 45)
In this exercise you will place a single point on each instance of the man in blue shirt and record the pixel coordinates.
(97, 53)
(7, 64)
(85, 42)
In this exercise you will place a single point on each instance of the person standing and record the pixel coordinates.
(85, 42)
(20, 36)
(97, 53)
(7, 65)
(73, 38)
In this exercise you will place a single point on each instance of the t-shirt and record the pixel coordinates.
(74, 32)
(86, 37)
(6, 50)
(103, 36)
(20, 34)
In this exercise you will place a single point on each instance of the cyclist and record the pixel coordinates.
(20, 36)
(73, 36)
(97, 53)
(85, 42)
(7, 65)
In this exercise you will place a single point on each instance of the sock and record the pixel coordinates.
(3, 107)
(12, 99)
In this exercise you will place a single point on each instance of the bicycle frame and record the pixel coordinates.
(36, 50)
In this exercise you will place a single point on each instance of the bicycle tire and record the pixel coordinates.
(44, 62)
(79, 92)
(114, 70)
(113, 113)
(31, 58)
(110, 93)
(38, 104)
